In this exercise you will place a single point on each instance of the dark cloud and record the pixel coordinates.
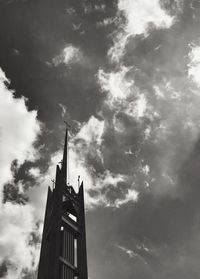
(32, 34)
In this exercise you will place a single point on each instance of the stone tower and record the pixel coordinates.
(63, 250)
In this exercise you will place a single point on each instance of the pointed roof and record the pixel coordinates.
(64, 160)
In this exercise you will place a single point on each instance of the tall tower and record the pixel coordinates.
(63, 250)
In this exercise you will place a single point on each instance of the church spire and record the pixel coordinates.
(65, 155)
(63, 250)
(64, 160)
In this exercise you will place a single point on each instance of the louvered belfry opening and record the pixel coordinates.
(63, 250)
(69, 235)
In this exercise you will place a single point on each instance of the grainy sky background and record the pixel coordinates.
(126, 76)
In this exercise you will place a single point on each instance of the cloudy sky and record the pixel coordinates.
(126, 75)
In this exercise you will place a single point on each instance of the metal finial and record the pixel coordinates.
(78, 181)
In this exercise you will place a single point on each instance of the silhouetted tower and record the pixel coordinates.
(63, 250)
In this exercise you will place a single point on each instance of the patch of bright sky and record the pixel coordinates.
(194, 64)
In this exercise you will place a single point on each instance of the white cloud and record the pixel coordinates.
(117, 51)
(109, 178)
(139, 14)
(194, 65)
(2, 76)
(69, 55)
(64, 110)
(19, 129)
(138, 108)
(159, 94)
(17, 224)
(131, 196)
(129, 252)
(91, 131)
(116, 84)
(146, 169)
(35, 172)
(123, 95)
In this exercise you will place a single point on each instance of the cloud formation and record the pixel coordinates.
(19, 129)
(140, 14)
(17, 246)
(194, 64)
(140, 18)
(69, 55)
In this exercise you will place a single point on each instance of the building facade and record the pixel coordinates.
(63, 252)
